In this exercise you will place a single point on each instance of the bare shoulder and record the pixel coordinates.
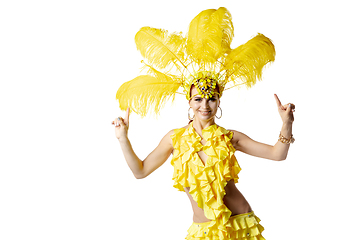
(167, 137)
(236, 134)
(171, 132)
(237, 138)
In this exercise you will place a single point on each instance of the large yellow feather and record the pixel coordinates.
(245, 63)
(222, 27)
(160, 48)
(199, 46)
(145, 93)
(210, 35)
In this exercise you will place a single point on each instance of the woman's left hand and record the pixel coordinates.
(285, 111)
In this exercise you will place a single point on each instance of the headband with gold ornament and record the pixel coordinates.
(202, 58)
(205, 83)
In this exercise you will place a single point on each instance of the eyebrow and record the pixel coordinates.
(198, 96)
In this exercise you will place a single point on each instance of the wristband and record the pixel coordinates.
(286, 140)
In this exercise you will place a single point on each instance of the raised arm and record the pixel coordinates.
(154, 160)
(276, 152)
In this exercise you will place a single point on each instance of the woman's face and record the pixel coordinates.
(204, 109)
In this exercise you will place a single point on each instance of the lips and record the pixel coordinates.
(204, 112)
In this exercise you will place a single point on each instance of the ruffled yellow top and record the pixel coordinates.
(206, 181)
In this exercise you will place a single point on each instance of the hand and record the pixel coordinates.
(285, 111)
(122, 125)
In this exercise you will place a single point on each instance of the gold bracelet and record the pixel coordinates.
(286, 140)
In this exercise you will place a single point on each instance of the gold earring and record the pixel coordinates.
(220, 115)
(189, 115)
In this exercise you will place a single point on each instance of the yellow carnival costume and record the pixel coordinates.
(204, 59)
(207, 183)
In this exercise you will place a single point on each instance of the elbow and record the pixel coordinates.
(139, 173)
(139, 176)
(279, 155)
(281, 158)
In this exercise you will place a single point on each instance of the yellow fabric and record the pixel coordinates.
(243, 226)
(206, 181)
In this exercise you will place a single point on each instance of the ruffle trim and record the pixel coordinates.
(206, 181)
(241, 228)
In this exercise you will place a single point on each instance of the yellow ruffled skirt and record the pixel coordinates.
(243, 226)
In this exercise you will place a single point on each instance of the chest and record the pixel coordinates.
(202, 156)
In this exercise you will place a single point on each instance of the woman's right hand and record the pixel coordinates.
(122, 126)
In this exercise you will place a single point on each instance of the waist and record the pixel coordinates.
(232, 218)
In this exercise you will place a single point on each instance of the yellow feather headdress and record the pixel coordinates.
(202, 58)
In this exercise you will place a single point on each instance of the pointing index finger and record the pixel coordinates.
(278, 102)
(127, 114)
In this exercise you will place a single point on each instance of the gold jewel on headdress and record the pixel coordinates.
(205, 83)
(202, 58)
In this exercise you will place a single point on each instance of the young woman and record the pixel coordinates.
(204, 163)
(242, 221)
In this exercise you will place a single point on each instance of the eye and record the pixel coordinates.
(197, 99)
(212, 99)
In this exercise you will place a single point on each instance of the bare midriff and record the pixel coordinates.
(233, 200)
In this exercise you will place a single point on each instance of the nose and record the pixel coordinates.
(205, 103)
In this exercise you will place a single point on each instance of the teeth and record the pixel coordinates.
(204, 113)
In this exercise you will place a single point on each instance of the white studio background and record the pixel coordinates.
(62, 173)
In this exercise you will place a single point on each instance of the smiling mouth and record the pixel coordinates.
(204, 112)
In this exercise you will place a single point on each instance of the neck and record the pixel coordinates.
(200, 125)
